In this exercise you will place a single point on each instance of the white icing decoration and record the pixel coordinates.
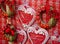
(25, 26)
(28, 10)
(21, 7)
(53, 37)
(22, 32)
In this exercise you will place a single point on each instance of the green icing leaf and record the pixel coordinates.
(52, 22)
(12, 38)
(8, 11)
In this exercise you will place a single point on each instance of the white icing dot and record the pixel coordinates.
(53, 37)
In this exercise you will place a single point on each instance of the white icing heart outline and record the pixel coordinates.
(28, 9)
(38, 32)
(31, 11)
(22, 32)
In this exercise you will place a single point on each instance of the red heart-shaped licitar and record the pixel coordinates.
(37, 38)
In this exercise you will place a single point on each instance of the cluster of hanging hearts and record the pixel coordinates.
(8, 10)
(31, 31)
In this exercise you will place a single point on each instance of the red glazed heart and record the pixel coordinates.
(22, 37)
(39, 36)
(26, 14)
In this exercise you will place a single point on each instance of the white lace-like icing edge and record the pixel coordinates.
(39, 31)
(55, 38)
(28, 9)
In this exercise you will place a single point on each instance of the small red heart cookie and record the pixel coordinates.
(22, 37)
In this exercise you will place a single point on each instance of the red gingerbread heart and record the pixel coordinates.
(39, 36)
(22, 36)
(26, 14)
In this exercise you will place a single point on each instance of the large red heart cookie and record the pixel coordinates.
(26, 14)
(39, 36)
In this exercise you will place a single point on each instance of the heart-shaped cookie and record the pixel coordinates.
(26, 14)
(22, 37)
(39, 36)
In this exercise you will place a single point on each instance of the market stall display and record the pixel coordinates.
(29, 22)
